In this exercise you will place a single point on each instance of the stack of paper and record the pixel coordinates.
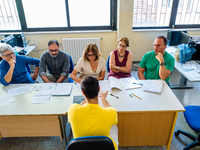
(43, 93)
(41, 97)
(154, 86)
(20, 90)
(6, 100)
(63, 89)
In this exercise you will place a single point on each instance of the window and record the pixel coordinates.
(9, 19)
(166, 13)
(45, 13)
(188, 12)
(57, 15)
(96, 12)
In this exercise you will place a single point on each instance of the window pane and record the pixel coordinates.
(45, 13)
(9, 19)
(188, 12)
(151, 13)
(89, 12)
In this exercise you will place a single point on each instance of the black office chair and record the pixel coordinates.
(91, 143)
(192, 116)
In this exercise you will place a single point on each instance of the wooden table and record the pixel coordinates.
(146, 122)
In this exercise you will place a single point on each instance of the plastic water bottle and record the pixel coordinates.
(16, 53)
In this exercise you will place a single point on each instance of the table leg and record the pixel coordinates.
(62, 124)
(182, 84)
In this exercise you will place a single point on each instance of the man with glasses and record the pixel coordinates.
(14, 67)
(56, 62)
(157, 64)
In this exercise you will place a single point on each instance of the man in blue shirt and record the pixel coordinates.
(14, 67)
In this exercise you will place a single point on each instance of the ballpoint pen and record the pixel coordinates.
(137, 83)
(114, 95)
(136, 96)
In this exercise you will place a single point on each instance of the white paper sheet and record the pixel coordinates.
(20, 90)
(6, 100)
(46, 86)
(193, 74)
(104, 85)
(63, 89)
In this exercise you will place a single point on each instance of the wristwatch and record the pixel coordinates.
(117, 67)
(162, 64)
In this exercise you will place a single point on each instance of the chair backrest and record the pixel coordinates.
(107, 64)
(91, 143)
(71, 68)
(71, 64)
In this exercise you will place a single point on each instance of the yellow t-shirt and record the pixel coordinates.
(92, 120)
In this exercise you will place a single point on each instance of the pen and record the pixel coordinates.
(131, 95)
(136, 96)
(114, 95)
(137, 83)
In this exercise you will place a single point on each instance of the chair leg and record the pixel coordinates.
(195, 139)
(193, 144)
(192, 137)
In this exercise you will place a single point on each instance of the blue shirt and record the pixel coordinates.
(20, 72)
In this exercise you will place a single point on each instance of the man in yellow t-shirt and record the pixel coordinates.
(89, 118)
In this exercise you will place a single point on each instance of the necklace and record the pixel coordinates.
(122, 55)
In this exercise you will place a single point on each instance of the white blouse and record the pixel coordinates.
(85, 69)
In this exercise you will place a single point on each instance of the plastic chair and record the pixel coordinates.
(71, 68)
(91, 143)
(107, 64)
(192, 116)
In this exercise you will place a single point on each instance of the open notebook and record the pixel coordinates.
(154, 86)
(126, 83)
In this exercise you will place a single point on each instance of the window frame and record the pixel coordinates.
(172, 20)
(22, 19)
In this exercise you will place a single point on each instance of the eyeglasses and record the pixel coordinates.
(93, 55)
(123, 46)
(53, 50)
(157, 45)
(9, 55)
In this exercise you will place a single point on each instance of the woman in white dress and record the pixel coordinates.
(91, 63)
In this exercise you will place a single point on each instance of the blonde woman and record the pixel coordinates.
(91, 63)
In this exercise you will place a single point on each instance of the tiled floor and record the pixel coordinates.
(186, 97)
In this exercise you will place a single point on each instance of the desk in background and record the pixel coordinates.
(146, 122)
(184, 77)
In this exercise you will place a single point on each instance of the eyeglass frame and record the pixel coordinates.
(9, 55)
(123, 46)
(53, 50)
(92, 55)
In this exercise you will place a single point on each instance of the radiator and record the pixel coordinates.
(75, 46)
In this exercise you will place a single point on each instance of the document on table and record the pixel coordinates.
(78, 99)
(63, 89)
(6, 100)
(154, 86)
(41, 97)
(192, 65)
(20, 90)
(104, 85)
(43, 86)
(193, 74)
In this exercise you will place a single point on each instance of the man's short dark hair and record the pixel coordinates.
(53, 41)
(164, 39)
(90, 87)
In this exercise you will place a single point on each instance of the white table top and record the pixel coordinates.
(166, 101)
(179, 66)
